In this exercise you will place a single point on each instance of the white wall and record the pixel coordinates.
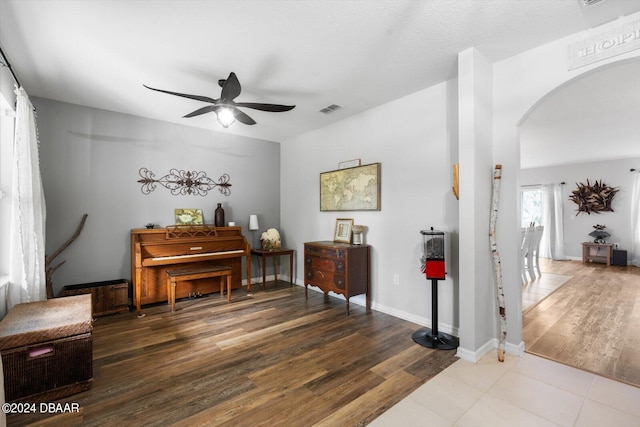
(412, 139)
(90, 161)
(614, 173)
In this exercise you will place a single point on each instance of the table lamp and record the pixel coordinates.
(253, 226)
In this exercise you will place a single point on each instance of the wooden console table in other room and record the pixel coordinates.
(274, 253)
(597, 252)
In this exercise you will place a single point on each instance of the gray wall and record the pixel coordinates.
(614, 173)
(90, 161)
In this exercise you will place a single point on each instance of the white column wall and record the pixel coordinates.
(477, 307)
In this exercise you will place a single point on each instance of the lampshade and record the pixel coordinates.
(253, 222)
(225, 117)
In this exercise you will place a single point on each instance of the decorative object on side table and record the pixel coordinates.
(599, 234)
(253, 226)
(270, 240)
(342, 232)
(358, 231)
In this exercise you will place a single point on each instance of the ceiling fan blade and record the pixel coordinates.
(242, 117)
(184, 95)
(231, 88)
(275, 108)
(203, 110)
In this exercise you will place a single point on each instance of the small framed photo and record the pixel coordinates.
(349, 164)
(342, 233)
(189, 217)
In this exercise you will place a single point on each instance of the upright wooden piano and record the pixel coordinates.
(153, 251)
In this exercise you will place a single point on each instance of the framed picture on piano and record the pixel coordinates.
(189, 217)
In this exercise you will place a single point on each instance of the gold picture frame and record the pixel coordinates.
(189, 217)
(342, 232)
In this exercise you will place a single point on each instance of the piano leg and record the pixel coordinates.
(248, 262)
(137, 291)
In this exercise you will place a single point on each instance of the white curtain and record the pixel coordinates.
(635, 221)
(27, 279)
(552, 243)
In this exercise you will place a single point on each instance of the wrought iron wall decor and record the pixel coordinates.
(594, 198)
(182, 182)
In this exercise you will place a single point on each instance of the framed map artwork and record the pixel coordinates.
(351, 189)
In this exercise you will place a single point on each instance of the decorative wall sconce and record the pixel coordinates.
(182, 182)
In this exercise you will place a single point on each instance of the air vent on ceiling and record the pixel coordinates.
(590, 2)
(330, 109)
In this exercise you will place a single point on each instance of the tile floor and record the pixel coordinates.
(521, 391)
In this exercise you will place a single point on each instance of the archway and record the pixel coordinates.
(587, 121)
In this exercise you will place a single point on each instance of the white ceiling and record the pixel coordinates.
(358, 54)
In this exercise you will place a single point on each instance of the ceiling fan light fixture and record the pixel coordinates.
(225, 117)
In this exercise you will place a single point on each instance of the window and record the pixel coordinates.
(7, 114)
(531, 205)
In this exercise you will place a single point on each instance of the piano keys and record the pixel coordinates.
(153, 251)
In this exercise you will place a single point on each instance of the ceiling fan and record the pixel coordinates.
(225, 107)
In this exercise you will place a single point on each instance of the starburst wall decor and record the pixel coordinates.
(594, 198)
(182, 182)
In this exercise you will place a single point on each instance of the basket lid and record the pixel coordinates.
(41, 321)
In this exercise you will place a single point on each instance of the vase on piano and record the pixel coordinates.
(219, 216)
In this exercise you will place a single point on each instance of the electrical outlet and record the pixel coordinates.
(396, 279)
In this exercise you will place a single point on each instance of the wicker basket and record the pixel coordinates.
(47, 349)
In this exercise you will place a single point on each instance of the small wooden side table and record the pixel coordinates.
(274, 253)
(597, 252)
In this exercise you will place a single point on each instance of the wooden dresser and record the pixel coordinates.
(338, 267)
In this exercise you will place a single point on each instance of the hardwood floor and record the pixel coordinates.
(592, 322)
(269, 359)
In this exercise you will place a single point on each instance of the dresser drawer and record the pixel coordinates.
(325, 252)
(324, 264)
(327, 280)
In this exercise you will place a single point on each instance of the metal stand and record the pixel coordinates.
(432, 338)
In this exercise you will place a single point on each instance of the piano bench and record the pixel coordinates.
(183, 274)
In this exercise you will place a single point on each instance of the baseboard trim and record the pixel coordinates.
(492, 344)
